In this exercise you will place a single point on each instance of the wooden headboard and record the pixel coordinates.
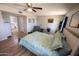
(72, 40)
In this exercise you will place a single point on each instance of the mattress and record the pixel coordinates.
(39, 43)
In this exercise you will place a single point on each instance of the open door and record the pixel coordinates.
(22, 23)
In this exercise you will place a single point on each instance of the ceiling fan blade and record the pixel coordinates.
(29, 4)
(25, 9)
(37, 8)
(34, 10)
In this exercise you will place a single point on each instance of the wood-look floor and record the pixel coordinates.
(11, 47)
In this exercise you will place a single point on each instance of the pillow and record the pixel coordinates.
(65, 50)
(57, 43)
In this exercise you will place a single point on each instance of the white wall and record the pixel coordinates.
(69, 14)
(1, 26)
(43, 22)
(5, 29)
(31, 24)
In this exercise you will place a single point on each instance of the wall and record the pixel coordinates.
(43, 22)
(69, 14)
(1, 26)
(72, 39)
(5, 29)
(31, 24)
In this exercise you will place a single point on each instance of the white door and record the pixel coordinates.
(13, 22)
(22, 23)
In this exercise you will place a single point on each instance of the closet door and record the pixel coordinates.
(22, 23)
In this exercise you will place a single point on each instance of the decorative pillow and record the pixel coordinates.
(65, 50)
(57, 41)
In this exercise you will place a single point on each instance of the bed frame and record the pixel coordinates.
(73, 41)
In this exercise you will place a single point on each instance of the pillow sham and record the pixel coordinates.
(65, 50)
(57, 41)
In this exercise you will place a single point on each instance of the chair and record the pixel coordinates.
(36, 28)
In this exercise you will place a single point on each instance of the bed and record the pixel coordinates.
(42, 44)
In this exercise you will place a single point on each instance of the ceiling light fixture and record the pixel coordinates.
(29, 9)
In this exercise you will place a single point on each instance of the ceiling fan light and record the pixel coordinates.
(29, 9)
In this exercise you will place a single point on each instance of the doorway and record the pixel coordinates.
(14, 25)
(22, 23)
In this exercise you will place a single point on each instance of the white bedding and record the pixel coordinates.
(39, 43)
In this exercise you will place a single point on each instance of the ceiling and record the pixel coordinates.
(48, 8)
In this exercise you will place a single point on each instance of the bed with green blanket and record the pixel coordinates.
(41, 43)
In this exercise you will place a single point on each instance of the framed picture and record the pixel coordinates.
(74, 22)
(50, 20)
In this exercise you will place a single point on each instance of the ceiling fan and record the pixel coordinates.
(29, 7)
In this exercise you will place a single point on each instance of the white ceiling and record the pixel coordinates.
(48, 8)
